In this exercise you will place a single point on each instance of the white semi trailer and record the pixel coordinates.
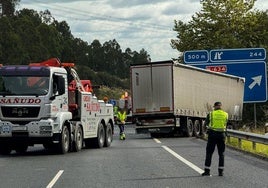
(176, 98)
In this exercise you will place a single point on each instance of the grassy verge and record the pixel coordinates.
(261, 149)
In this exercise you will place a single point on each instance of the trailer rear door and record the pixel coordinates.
(152, 88)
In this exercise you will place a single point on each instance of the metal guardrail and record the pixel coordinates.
(254, 138)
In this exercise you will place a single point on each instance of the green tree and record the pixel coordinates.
(66, 38)
(222, 24)
(50, 40)
(96, 55)
(8, 7)
(142, 57)
(114, 59)
(25, 26)
(80, 49)
(225, 24)
(29, 36)
(11, 48)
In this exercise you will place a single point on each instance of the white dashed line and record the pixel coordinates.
(54, 180)
(188, 163)
(157, 141)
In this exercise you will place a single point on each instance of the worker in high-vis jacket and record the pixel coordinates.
(216, 122)
(121, 121)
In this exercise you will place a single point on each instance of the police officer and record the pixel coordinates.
(216, 122)
(121, 119)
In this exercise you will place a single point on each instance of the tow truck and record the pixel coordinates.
(47, 103)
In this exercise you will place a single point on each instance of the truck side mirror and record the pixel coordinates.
(61, 85)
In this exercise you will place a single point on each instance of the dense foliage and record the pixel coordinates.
(28, 36)
(225, 24)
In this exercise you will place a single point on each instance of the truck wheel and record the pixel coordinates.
(99, 141)
(64, 144)
(78, 143)
(5, 149)
(21, 148)
(197, 128)
(202, 128)
(189, 128)
(108, 135)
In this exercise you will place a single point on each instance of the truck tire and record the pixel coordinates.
(64, 144)
(108, 135)
(5, 149)
(197, 128)
(78, 142)
(203, 128)
(189, 128)
(21, 148)
(99, 141)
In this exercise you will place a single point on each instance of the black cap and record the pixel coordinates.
(217, 104)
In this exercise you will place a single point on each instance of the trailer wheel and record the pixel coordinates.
(64, 144)
(108, 135)
(78, 143)
(197, 128)
(189, 128)
(21, 148)
(203, 128)
(5, 149)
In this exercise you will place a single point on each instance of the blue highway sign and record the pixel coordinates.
(254, 73)
(198, 56)
(234, 55)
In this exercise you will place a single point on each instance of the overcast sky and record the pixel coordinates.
(135, 24)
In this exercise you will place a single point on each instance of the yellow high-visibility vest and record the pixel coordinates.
(121, 116)
(218, 120)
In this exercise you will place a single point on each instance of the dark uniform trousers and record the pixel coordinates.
(121, 128)
(215, 138)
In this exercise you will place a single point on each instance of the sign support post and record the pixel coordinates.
(255, 116)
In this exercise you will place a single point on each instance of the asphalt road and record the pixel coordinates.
(139, 161)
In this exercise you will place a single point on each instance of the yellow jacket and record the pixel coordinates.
(121, 117)
(218, 120)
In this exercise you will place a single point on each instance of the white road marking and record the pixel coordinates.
(157, 141)
(54, 180)
(188, 163)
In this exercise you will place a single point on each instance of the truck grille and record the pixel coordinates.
(20, 112)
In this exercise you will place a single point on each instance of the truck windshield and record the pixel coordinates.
(24, 85)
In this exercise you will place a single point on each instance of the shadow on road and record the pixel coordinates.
(164, 178)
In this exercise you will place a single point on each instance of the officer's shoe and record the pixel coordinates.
(124, 136)
(220, 172)
(206, 172)
(121, 137)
